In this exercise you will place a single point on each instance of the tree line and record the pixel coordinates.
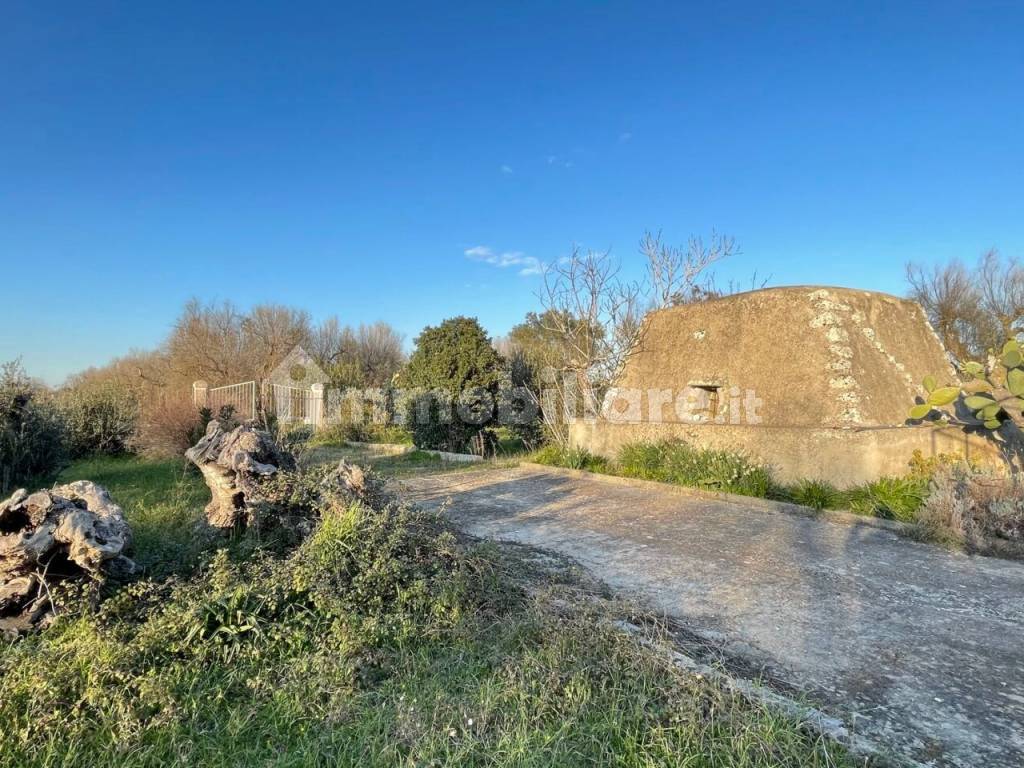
(566, 353)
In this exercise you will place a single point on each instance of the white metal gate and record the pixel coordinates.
(241, 397)
(291, 404)
(248, 400)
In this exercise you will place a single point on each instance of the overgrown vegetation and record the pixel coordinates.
(815, 494)
(32, 439)
(363, 432)
(164, 500)
(671, 462)
(100, 417)
(381, 640)
(682, 464)
(571, 458)
(977, 511)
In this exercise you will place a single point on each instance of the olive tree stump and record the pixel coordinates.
(234, 464)
(72, 531)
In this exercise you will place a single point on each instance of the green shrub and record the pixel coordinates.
(294, 436)
(32, 439)
(458, 373)
(340, 433)
(551, 455)
(100, 417)
(581, 458)
(519, 409)
(893, 498)
(815, 494)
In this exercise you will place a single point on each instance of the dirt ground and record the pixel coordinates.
(913, 646)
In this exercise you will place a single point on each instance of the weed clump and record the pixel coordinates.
(816, 494)
(571, 458)
(890, 498)
(981, 512)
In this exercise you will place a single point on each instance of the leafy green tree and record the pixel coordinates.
(458, 374)
(539, 342)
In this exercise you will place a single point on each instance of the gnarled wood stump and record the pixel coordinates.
(72, 531)
(234, 464)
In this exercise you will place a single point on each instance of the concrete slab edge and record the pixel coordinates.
(388, 449)
(399, 449)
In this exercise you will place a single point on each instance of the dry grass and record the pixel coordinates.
(982, 512)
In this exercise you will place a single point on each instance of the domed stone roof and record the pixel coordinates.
(814, 356)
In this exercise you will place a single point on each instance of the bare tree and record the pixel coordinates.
(1001, 283)
(380, 352)
(593, 317)
(972, 310)
(327, 342)
(207, 343)
(270, 332)
(679, 275)
(596, 316)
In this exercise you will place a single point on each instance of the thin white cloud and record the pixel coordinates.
(528, 265)
(558, 161)
(507, 170)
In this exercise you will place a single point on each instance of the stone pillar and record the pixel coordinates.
(200, 394)
(316, 405)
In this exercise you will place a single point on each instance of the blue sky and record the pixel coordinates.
(345, 157)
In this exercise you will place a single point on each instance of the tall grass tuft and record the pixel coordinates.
(571, 458)
(816, 494)
(892, 498)
(683, 464)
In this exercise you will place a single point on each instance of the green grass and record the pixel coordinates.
(410, 463)
(163, 500)
(571, 458)
(894, 498)
(339, 434)
(381, 641)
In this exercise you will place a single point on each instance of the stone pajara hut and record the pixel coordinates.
(815, 381)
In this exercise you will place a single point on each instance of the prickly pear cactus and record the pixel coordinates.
(994, 394)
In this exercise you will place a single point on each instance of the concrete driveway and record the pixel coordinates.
(913, 646)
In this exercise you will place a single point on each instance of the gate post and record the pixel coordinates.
(200, 394)
(316, 405)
